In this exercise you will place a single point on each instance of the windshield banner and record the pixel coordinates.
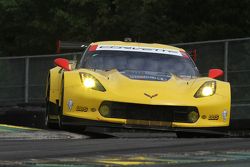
(139, 49)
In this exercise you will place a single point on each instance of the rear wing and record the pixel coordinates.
(69, 46)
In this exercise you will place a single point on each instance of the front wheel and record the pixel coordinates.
(50, 109)
(49, 123)
(60, 108)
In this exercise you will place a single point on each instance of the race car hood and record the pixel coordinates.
(172, 88)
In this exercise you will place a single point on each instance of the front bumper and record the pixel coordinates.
(211, 110)
(72, 121)
(146, 112)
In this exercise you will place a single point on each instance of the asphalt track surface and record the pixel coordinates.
(24, 146)
(37, 147)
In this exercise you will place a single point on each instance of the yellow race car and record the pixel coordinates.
(136, 85)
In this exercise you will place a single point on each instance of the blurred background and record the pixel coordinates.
(217, 30)
(31, 27)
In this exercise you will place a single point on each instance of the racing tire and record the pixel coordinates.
(48, 123)
(60, 112)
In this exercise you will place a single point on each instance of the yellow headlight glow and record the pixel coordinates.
(89, 82)
(207, 91)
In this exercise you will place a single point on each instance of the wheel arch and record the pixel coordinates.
(54, 84)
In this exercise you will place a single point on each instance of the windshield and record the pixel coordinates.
(139, 61)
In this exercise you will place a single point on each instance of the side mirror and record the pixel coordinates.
(215, 73)
(63, 63)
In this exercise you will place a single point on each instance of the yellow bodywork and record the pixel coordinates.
(119, 88)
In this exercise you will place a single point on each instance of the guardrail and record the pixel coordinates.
(225, 42)
(233, 56)
(23, 79)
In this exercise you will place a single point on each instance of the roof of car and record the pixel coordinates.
(148, 45)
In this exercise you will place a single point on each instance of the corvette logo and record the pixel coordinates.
(150, 96)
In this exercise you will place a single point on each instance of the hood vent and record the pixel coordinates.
(146, 75)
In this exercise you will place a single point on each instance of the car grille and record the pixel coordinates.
(148, 112)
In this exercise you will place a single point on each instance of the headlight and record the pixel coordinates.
(207, 89)
(89, 81)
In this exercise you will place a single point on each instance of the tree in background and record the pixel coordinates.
(32, 26)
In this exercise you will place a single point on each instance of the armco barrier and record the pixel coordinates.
(23, 79)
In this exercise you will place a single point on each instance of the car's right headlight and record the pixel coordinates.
(90, 82)
(207, 89)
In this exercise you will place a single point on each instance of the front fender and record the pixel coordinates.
(55, 80)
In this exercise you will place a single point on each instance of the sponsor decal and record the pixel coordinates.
(81, 108)
(224, 115)
(93, 109)
(213, 117)
(70, 104)
(150, 96)
(138, 49)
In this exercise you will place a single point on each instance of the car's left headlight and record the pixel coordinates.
(89, 81)
(207, 89)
